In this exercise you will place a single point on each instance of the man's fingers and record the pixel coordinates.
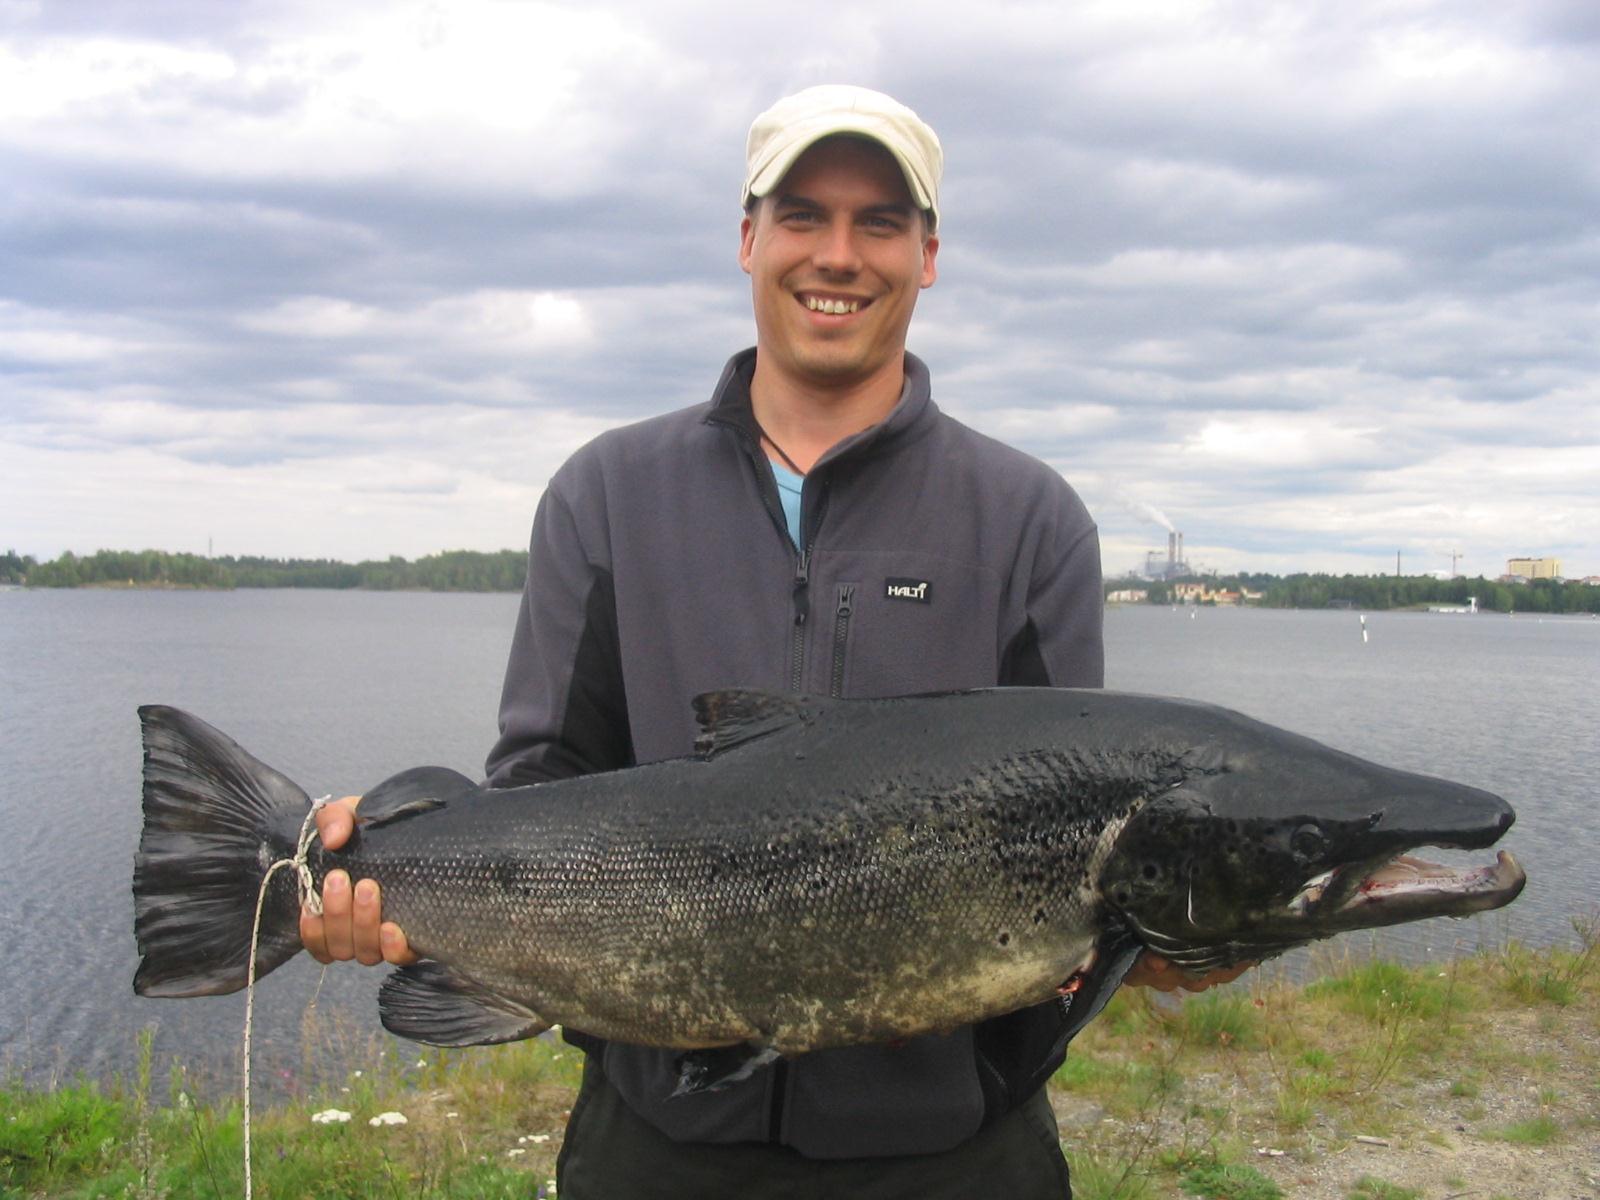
(365, 939)
(312, 938)
(395, 949)
(336, 821)
(336, 906)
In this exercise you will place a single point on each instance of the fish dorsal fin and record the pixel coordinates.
(411, 792)
(429, 1002)
(735, 716)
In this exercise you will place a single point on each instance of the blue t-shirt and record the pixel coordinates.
(789, 485)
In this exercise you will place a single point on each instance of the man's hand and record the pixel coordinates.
(1153, 971)
(351, 926)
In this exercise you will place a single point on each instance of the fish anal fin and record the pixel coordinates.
(409, 793)
(719, 1067)
(735, 716)
(428, 1002)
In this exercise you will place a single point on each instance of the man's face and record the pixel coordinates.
(836, 254)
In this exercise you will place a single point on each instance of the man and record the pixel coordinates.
(818, 526)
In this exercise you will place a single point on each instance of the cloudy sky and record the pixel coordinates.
(1316, 282)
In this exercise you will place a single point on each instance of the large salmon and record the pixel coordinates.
(821, 872)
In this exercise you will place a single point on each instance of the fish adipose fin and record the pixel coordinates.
(409, 793)
(215, 818)
(719, 1067)
(737, 716)
(428, 1002)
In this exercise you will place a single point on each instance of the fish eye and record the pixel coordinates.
(1307, 842)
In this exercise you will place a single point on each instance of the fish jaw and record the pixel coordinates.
(1271, 841)
(1406, 888)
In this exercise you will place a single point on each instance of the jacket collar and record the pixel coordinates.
(912, 413)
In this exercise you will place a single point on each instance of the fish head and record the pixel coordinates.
(1267, 840)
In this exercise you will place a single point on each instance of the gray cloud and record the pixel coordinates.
(1316, 281)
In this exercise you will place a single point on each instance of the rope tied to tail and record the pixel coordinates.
(312, 901)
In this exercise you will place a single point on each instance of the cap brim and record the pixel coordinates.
(772, 172)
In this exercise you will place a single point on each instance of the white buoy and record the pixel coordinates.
(1363, 629)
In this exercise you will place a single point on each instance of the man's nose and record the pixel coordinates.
(836, 250)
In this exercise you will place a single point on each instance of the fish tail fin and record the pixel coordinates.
(215, 819)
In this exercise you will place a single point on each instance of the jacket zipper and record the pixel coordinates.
(802, 588)
(797, 665)
(802, 608)
(841, 636)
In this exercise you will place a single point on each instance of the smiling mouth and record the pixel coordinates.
(832, 306)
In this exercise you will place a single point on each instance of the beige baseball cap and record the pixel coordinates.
(785, 131)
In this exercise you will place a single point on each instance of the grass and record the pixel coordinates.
(1229, 1181)
(1178, 1095)
(1368, 1188)
(1428, 1056)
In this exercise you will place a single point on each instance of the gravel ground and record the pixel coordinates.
(1446, 1147)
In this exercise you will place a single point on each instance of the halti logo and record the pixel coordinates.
(907, 589)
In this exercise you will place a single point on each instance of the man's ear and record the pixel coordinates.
(747, 234)
(930, 252)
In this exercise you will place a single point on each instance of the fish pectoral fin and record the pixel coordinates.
(718, 1067)
(428, 1002)
(418, 790)
(735, 716)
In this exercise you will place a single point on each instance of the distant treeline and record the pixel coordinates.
(1379, 592)
(452, 571)
(504, 570)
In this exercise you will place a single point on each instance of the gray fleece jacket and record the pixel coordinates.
(934, 558)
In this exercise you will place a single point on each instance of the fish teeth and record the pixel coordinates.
(832, 307)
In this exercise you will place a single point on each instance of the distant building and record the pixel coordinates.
(1534, 568)
(1203, 593)
(1128, 596)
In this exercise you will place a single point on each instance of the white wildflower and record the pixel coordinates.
(451, 1116)
(539, 1139)
(388, 1118)
(514, 1151)
(330, 1116)
(421, 1062)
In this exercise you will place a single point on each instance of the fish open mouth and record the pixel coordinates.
(1405, 888)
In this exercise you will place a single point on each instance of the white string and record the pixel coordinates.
(310, 899)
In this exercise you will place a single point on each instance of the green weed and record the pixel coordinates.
(1535, 1131)
(1229, 1181)
(1368, 1188)
(1218, 1019)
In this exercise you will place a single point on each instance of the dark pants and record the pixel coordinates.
(611, 1153)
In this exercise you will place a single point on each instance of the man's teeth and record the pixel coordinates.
(835, 307)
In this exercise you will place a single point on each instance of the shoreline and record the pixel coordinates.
(1477, 1077)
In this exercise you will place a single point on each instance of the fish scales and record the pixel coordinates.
(820, 873)
(715, 911)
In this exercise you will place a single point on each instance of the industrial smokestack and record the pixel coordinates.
(1180, 548)
(1172, 555)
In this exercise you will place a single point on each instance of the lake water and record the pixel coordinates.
(339, 689)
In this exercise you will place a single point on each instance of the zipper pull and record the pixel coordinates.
(802, 587)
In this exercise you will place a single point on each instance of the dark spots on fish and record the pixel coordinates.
(1038, 916)
(1151, 870)
(510, 879)
(1004, 939)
